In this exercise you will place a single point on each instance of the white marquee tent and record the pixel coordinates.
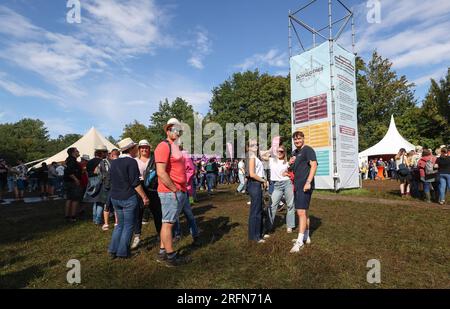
(389, 145)
(86, 145)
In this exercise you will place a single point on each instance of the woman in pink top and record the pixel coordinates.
(187, 210)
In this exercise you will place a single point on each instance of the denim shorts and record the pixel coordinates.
(171, 205)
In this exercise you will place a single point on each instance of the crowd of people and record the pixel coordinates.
(18, 179)
(421, 173)
(132, 182)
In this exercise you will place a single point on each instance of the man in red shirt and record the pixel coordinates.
(172, 188)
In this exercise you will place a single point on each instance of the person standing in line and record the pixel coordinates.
(282, 187)
(172, 188)
(304, 168)
(113, 155)
(443, 163)
(241, 175)
(257, 183)
(125, 186)
(72, 184)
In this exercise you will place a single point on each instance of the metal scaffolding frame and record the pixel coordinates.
(294, 21)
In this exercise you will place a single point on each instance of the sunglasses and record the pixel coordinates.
(280, 151)
(177, 131)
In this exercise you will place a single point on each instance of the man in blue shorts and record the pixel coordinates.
(304, 168)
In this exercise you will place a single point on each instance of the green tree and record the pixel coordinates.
(136, 131)
(60, 143)
(26, 139)
(381, 93)
(428, 125)
(179, 109)
(253, 97)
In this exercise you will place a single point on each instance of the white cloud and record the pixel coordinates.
(436, 75)
(273, 58)
(59, 126)
(114, 103)
(111, 31)
(126, 27)
(23, 91)
(412, 33)
(201, 48)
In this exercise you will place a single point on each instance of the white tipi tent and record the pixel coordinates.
(389, 145)
(86, 145)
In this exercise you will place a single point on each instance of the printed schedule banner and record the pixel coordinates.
(346, 118)
(312, 113)
(311, 107)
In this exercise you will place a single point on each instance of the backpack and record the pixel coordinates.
(403, 169)
(429, 168)
(150, 176)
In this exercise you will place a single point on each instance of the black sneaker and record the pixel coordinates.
(177, 260)
(161, 257)
(196, 242)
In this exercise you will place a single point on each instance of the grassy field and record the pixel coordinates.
(412, 244)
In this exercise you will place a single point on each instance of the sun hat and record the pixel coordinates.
(126, 143)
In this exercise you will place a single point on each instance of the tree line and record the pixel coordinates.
(252, 96)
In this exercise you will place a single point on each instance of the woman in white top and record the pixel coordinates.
(282, 186)
(256, 184)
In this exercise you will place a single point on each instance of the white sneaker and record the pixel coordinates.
(249, 203)
(289, 230)
(135, 243)
(297, 246)
(266, 236)
(261, 241)
(306, 241)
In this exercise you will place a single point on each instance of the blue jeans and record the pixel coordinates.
(10, 183)
(426, 186)
(210, 179)
(444, 183)
(241, 187)
(187, 210)
(255, 217)
(97, 213)
(126, 217)
(283, 188)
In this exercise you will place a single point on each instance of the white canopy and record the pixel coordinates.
(86, 145)
(390, 144)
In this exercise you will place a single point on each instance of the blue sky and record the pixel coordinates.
(127, 55)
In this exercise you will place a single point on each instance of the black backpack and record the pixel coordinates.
(150, 176)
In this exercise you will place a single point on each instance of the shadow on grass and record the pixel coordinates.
(314, 224)
(22, 278)
(25, 222)
(212, 231)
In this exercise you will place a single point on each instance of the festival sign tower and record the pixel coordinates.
(323, 92)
